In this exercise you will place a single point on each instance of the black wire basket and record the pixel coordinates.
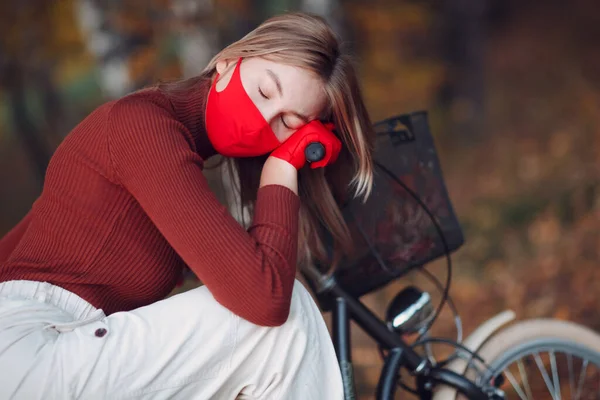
(408, 220)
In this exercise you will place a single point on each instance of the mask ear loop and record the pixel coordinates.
(238, 64)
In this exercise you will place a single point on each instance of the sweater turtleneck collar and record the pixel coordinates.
(189, 104)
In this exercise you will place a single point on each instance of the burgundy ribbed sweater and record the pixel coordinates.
(125, 206)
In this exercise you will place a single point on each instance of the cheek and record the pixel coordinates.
(281, 132)
(250, 86)
(262, 106)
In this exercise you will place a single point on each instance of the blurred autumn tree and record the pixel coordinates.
(28, 60)
(127, 44)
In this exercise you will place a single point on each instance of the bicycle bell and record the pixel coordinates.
(410, 311)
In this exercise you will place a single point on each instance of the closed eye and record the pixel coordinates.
(262, 93)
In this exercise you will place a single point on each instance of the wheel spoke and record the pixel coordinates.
(571, 378)
(552, 380)
(525, 379)
(515, 385)
(549, 345)
(544, 373)
(555, 379)
(582, 373)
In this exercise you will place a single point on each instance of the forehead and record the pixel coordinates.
(303, 91)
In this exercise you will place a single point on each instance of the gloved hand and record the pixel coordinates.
(292, 150)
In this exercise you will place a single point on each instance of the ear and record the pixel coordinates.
(222, 66)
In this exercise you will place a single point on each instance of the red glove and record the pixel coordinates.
(292, 150)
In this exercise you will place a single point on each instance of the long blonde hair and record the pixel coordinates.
(306, 41)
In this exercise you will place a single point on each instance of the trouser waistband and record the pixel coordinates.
(50, 294)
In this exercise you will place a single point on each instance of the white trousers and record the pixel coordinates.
(55, 345)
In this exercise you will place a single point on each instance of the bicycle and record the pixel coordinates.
(493, 362)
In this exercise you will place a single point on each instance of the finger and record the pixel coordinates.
(337, 150)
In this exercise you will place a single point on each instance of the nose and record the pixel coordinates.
(270, 113)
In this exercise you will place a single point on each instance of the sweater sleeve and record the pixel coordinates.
(9, 241)
(249, 272)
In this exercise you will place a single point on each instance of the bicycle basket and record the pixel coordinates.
(393, 233)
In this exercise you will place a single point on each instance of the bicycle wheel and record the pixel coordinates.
(542, 359)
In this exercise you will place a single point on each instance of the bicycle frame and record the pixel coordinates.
(400, 354)
(412, 131)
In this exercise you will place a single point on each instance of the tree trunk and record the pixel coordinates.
(463, 49)
(107, 45)
(199, 36)
(25, 129)
(328, 9)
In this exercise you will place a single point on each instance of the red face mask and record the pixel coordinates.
(234, 125)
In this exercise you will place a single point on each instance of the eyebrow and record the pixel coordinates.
(277, 81)
(275, 78)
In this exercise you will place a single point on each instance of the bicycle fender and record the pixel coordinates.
(473, 342)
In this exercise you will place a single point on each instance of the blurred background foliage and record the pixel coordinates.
(513, 88)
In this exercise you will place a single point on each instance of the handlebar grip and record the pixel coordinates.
(314, 152)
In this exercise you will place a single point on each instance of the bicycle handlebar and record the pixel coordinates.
(314, 152)
(459, 382)
(388, 381)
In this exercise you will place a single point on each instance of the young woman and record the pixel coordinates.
(125, 207)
